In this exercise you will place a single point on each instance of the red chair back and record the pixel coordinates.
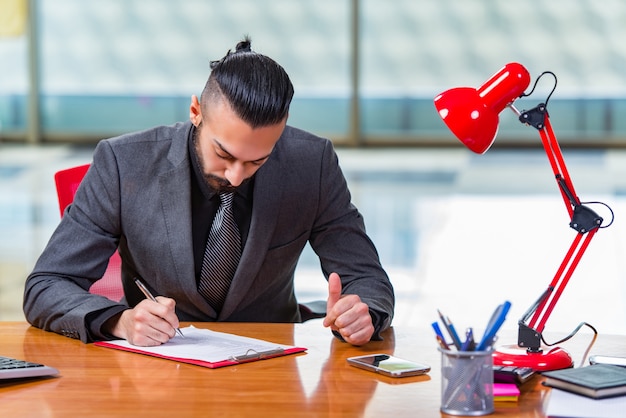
(67, 182)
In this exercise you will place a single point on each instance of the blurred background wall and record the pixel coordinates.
(446, 222)
(365, 71)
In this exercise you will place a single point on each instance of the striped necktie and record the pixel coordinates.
(221, 256)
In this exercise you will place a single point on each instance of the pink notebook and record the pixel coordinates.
(505, 392)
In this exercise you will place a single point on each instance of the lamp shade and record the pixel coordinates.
(472, 114)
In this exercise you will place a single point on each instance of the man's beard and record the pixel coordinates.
(217, 183)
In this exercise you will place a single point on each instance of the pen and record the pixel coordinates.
(469, 344)
(496, 321)
(442, 343)
(148, 295)
(450, 328)
(439, 335)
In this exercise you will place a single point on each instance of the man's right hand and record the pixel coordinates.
(147, 324)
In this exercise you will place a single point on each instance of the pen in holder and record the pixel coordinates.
(466, 382)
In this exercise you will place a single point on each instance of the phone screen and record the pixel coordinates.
(389, 365)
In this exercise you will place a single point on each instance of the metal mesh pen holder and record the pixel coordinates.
(466, 382)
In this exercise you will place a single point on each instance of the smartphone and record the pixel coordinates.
(618, 361)
(389, 365)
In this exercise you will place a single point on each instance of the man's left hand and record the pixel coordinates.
(347, 314)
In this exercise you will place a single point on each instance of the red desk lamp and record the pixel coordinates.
(472, 115)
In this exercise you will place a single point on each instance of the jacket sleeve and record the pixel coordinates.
(56, 296)
(343, 246)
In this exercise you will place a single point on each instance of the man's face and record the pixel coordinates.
(229, 150)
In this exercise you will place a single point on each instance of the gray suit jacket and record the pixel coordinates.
(136, 197)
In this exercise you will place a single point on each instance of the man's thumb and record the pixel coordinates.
(334, 290)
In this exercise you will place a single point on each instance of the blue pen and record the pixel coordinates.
(440, 338)
(496, 321)
(469, 344)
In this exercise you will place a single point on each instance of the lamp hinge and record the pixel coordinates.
(535, 117)
(585, 219)
(529, 338)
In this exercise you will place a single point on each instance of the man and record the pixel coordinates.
(153, 195)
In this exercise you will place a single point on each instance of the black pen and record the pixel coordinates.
(147, 293)
(450, 328)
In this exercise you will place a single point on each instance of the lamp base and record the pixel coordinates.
(516, 356)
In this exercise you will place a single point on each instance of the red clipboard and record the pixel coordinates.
(206, 348)
(231, 361)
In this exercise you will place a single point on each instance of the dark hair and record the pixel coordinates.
(257, 87)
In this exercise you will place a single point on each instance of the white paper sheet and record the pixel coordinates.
(206, 345)
(566, 404)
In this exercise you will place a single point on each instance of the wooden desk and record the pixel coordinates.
(101, 382)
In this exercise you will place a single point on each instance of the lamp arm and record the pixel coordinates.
(533, 322)
(539, 118)
(565, 190)
(582, 219)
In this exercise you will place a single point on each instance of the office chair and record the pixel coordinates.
(67, 182)
(110, 285)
